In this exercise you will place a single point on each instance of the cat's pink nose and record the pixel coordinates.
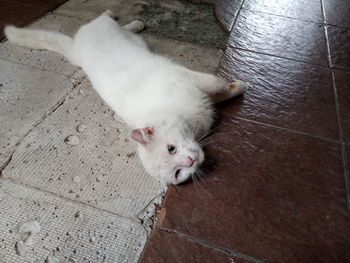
(190, 161)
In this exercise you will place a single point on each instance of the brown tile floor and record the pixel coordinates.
(173, 248)
(339, 43)
(276, 187)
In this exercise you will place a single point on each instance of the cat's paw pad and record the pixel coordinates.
(238, 87)
(137, 25)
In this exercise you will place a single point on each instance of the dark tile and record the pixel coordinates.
(309, 10)
(226, 19)
(279, 36)
(19, 14)
(2, 25)
(347, 149)
(282, 92)
(51, 4)
(337, 12)
(47, 4)
(347, 153)
(227, 11)
(165, 247)
(271, 195)
(229, 6)
(183, 21)
(342, 82)
(339, 45)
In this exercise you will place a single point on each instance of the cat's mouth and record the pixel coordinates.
(177, 173)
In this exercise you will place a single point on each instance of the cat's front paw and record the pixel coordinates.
(137, 26)
(237, 87)
(108, 13)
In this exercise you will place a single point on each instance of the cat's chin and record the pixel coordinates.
(184, 175)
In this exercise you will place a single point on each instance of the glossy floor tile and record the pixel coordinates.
(309, 10)
(280, 36)
(342, 82)
(273, 195)
(282, 92)
(337, 12)
(167, 247)
(339, 45)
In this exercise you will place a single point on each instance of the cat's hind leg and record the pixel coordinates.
(217, 88)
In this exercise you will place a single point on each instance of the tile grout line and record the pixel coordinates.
(346, 174)
(342, 143)
(282, 16)
(63, 198)
(294, 18)
(329, 60)
(276, 56)
(2, 167)
(36, 123)
(336, 100)
(236, 18)
(45, 115)
(227, 44)
(211, 245)
(288, 130)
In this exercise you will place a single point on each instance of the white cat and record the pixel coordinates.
(168, 106)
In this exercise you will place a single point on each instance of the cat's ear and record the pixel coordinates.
(143, 135)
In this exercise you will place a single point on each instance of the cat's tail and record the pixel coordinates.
(40, 39)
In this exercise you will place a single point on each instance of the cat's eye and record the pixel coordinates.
(171, 149)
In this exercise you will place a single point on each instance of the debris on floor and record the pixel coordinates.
(72, 140)
(28, 231)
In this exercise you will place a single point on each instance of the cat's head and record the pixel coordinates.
(170, 155)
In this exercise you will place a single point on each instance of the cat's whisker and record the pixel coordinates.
(199, 174)
(202, 176)
(208, 140)
(194, 180)
(214, 136)
(208, 134)
(199, 182)
(206, 143)
(194, 132)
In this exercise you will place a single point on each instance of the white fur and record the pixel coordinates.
(145, 89)
(39, 39)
